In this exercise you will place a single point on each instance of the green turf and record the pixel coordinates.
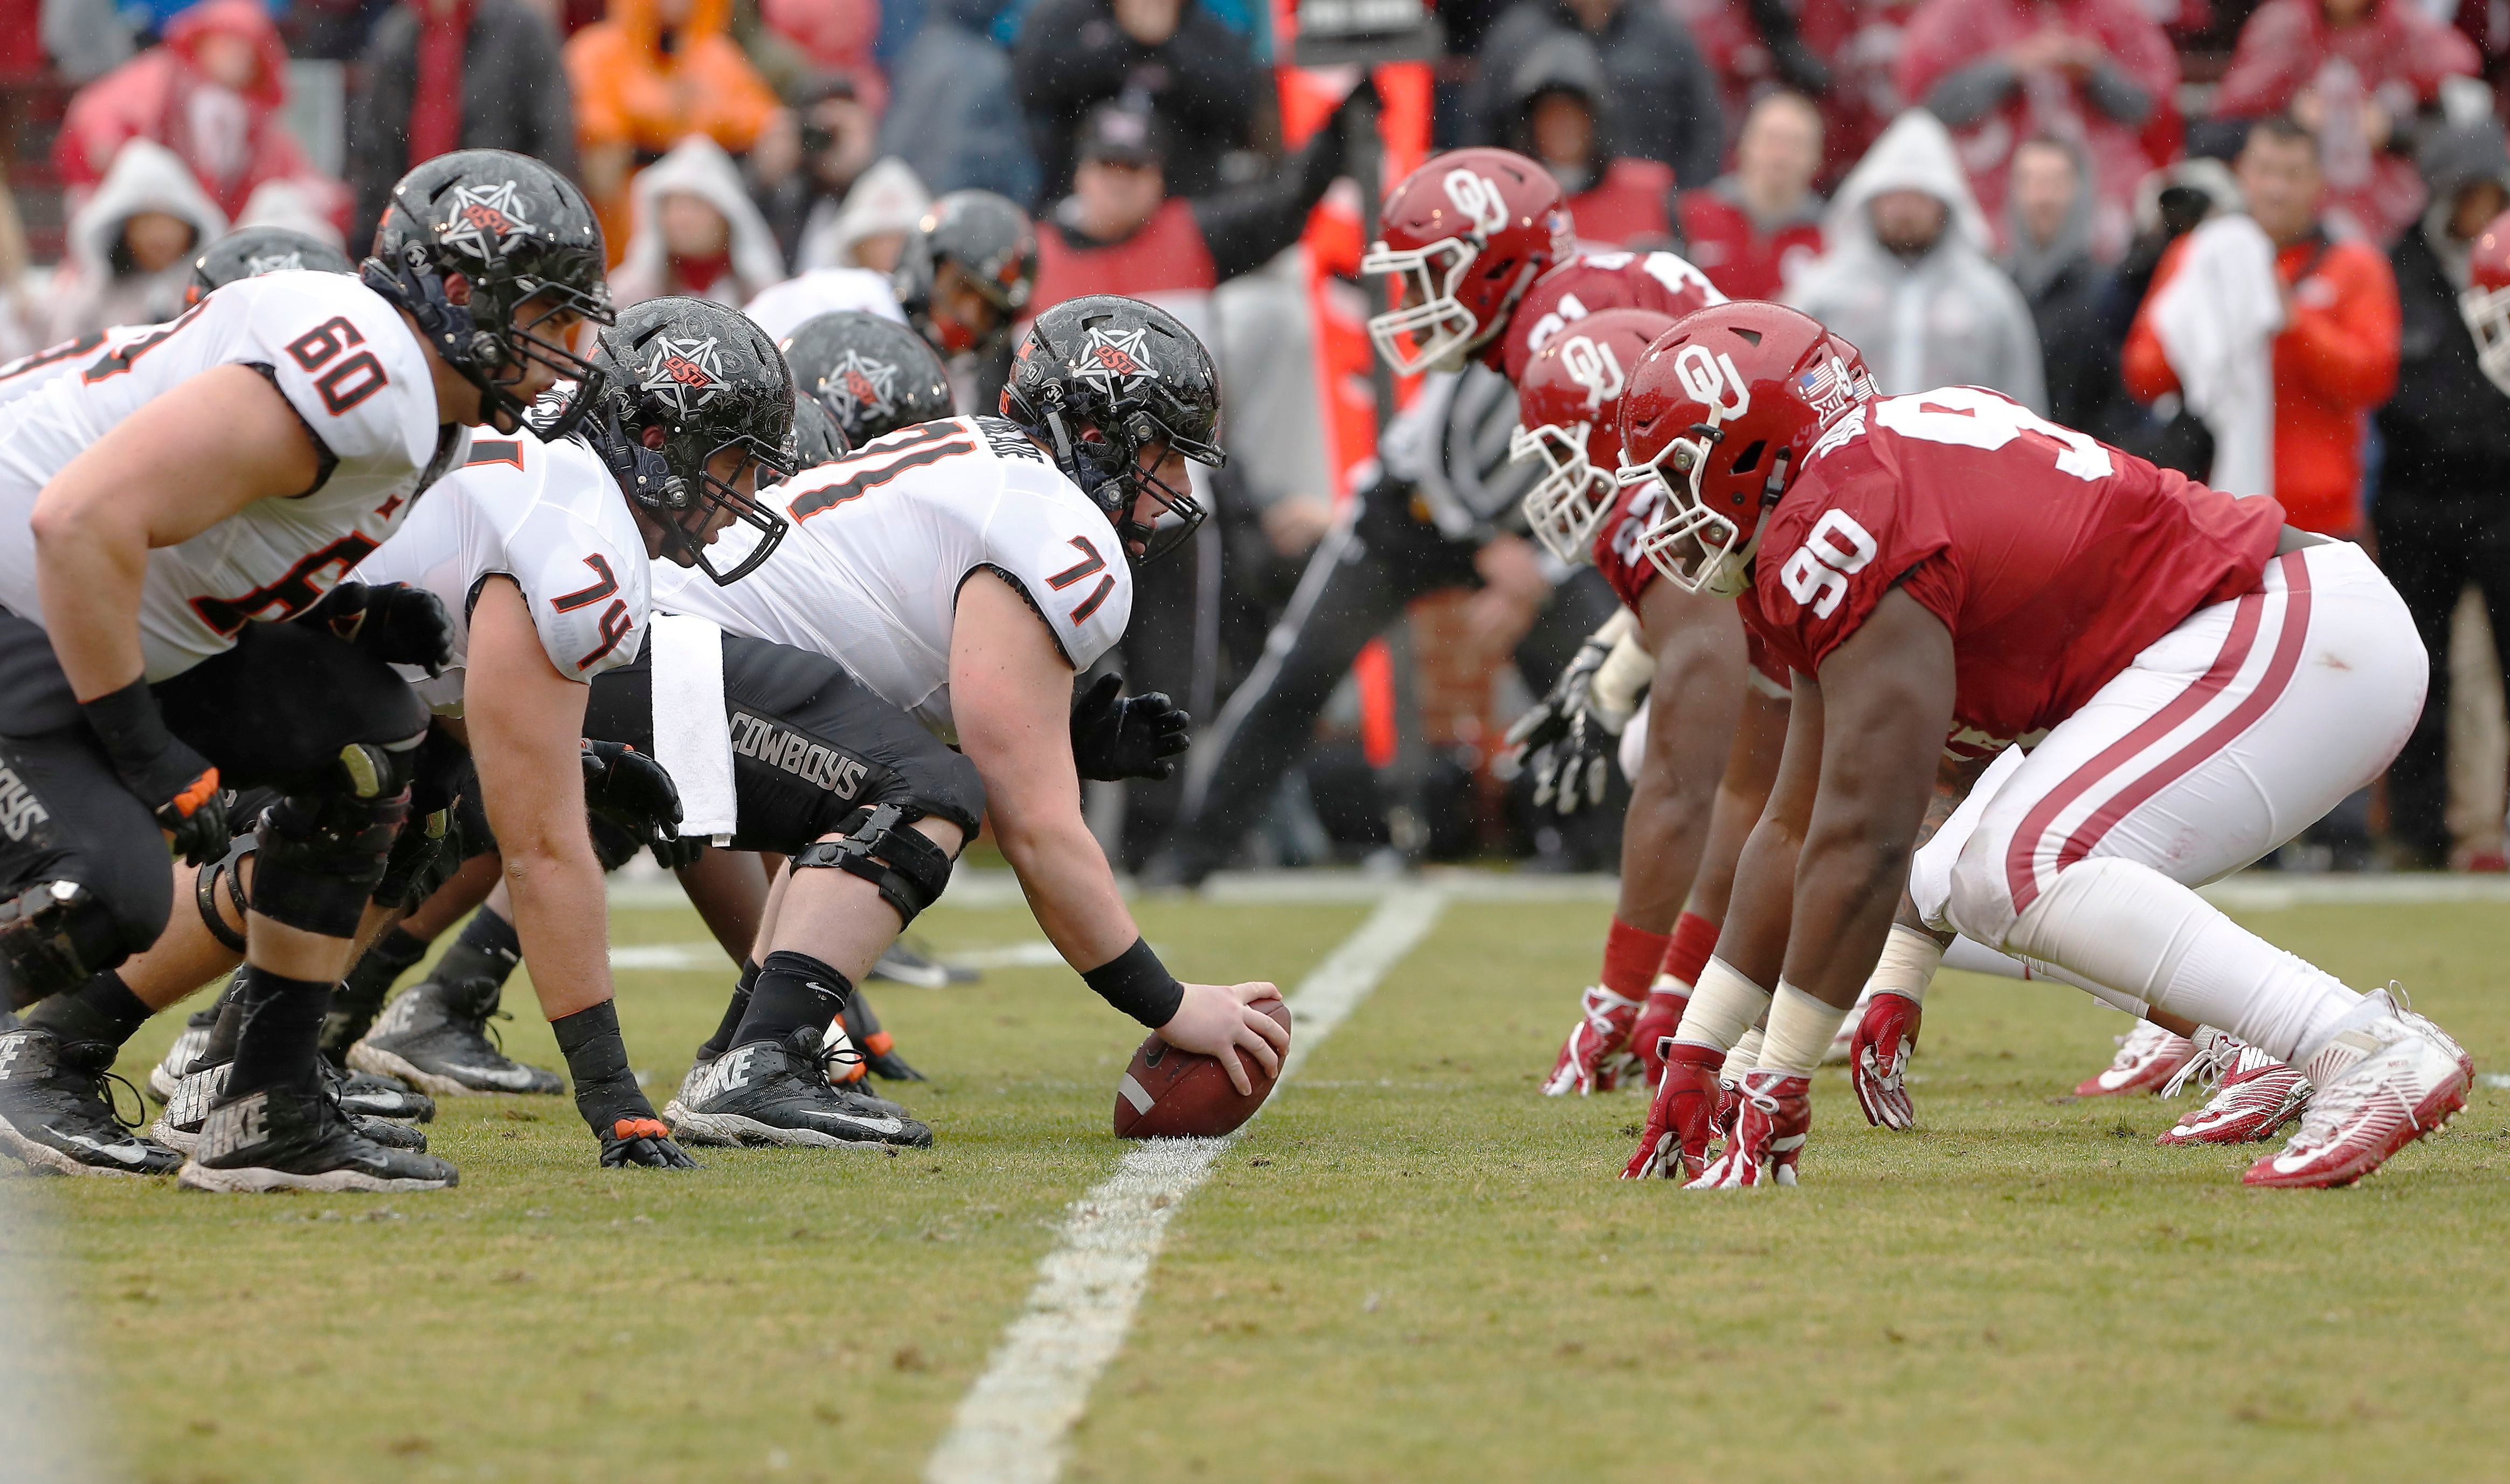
(1411, 1268)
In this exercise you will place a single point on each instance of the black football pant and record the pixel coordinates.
(274, 712)
(1362, 576)
(2430, 547)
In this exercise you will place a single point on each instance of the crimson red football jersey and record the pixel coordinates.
(2052, 558)
(1595, 281)
(1618, 558)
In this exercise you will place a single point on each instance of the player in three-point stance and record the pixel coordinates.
(967, 570)
(172, 508)
(1948, 573)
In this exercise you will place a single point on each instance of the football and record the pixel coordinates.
(1167, 1094)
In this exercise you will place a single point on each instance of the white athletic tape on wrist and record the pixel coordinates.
(1801, 1030)
(1909, 959)
(1624, 672)
(1723, 1005)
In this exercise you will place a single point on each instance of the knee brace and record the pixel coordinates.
(56, 935)
(909, 870)
(322, 855)
(227, 869)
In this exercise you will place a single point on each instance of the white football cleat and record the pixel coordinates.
(2410, 1079)
(2253, 1096)
(2147, 1056)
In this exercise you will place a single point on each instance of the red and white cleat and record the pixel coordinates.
(1674, 1145)
(2147, 1056)
(2255, 1096)
(1659, 1018)
(1877, 1059)
(1769, 1134)
(2413, 1081)
(1596, 1054)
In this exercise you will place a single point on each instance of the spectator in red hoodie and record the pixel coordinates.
(2353, 71)
(2336, 357)
(1757, 228)
(212, 94)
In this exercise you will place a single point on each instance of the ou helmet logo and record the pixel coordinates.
(1592, 365)
(1477, 199)
(1710, 379)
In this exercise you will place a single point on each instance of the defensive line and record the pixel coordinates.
(1014, 1426)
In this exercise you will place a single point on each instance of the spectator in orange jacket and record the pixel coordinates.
(652, 74)
(2336, 357)
(1754, 230)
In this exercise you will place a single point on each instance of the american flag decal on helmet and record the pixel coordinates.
(1828, 387)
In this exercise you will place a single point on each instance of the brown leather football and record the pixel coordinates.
(1167, 1094)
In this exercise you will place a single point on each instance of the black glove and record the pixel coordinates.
(1125, 737)
(176, 783)
(635, 792)
(1568, 749)
(645, 1143)
(393, 622)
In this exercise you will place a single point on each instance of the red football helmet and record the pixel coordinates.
(1466, 234)
(2486, 300)
(1597, 281)
(1569, 415)
(1724, 409)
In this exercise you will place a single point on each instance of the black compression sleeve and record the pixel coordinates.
(1137, 983)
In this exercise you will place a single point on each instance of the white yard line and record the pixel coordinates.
(1015, 1426)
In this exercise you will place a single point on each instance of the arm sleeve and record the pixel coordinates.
(1972, 93)
(2347, 349)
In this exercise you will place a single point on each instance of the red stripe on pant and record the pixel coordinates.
(2021, 873)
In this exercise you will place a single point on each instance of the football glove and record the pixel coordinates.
(634, 793)
(178, 784)
(1877, 1059)
(1125, 737)
(1568, 741)
(393, 622)
(645, 1143)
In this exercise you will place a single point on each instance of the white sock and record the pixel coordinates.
(1801, 1029)
(1744, 1057)
(1722, 1006)
(2127, 926)
(1974, 957)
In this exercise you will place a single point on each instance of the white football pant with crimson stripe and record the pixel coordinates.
(2225, 737)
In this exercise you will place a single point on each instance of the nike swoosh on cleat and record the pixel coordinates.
(875, 1125)
(128, 1150)
(491, 1075)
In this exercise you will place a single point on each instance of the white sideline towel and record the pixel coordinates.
(691, 740)
(2217, 320)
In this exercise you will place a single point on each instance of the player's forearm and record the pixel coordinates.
(562, 916)
(1699, 674)
(1848, 884)
(1068, 883)
(1753, 938)
(90, 565)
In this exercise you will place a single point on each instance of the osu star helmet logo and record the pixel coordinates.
(1115, 359)
(858, 385)
(685, 373)
(258, 264)
(484, 221)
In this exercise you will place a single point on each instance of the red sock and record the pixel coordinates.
(1686, 950)
(1630, 957)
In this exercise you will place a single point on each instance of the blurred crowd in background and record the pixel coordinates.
(2005, 193)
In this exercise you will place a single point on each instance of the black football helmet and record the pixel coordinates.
(816, 438)
(678, 382)
(994, 246)
(1130, 371)
(872, 375)
(466, 240)
(251, 251)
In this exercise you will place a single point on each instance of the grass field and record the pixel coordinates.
(1410, 1269)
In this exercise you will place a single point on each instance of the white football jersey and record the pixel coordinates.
(870, 575)
(31, 373)
(552, 518)
(349, 365)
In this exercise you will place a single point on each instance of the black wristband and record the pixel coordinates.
(130, 725)
(596, 1058)
(1137, 983)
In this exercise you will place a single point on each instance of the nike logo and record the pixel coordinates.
(497, 1076)
(875, 1125)
(126, 1151)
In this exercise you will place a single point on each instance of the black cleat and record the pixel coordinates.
(56, 1112)
(297, 1139)
(367, 1096)
(777, 1093)
(179, 1126)
(167, 1074)
(436, 1038)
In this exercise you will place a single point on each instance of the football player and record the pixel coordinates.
(164, 515)
(967, 569)
(1949, 573)
(1481, 244)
